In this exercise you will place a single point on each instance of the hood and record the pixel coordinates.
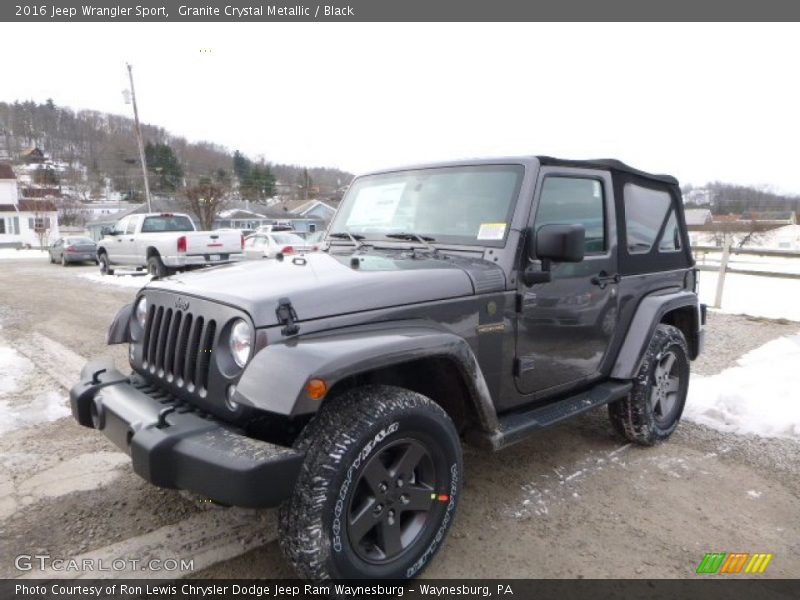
(329, 284)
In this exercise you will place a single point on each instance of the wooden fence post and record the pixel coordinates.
(723, 267)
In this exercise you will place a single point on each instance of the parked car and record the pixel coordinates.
(269, 245)
(366, 368)
(163, 243)
(73, 250)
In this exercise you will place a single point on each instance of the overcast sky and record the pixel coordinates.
(702, 102)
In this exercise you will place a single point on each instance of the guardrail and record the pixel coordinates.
(726, 249)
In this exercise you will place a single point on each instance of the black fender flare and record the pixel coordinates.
(648, 315)
(275, 378)
(119, 332)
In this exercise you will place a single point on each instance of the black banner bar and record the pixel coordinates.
(154, 11)
(714, 587)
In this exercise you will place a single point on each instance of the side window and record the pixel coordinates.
(645, 212)
(574, 201)
(671, 240)
(131, 228)
(122, 225)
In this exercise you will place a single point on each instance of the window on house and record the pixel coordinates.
(39, 223)
(578, 201)
(3, 226)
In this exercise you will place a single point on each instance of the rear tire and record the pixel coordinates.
(652, 410)
(63, 261)
(378, 489)
(105, 265)
(156, 268)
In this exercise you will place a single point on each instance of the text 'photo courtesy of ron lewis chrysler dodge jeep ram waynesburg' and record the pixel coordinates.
(462, 303)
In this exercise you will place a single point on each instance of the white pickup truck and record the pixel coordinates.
(163, 243)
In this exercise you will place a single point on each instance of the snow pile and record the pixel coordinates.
(12, 253)
(44, 407)
(770, 297)
(761, 395)
(129, 281)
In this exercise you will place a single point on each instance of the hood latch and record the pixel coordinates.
(287, 317)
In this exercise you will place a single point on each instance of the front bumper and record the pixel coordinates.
(174, 446)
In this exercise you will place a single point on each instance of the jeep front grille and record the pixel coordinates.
(177, 347)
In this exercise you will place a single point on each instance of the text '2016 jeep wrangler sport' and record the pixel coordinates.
(477, 301)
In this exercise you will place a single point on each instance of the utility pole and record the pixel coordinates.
(139, 140)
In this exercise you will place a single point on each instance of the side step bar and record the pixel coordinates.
(515, 427)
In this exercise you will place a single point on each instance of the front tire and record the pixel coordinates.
(105, 265)
(652, 410)
(378, 490)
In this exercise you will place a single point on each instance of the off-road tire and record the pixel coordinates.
(105, 265)
(348, 435)
(636, 417)
(156, 268)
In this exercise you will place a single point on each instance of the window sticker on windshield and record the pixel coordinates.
(375, 206)
(492, 231)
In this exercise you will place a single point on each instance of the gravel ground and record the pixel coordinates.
(730, 336)
(615, 510)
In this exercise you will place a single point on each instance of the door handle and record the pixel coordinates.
(602, 279)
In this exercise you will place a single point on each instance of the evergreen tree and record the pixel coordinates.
(163, 164)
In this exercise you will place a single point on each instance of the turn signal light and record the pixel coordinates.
(316, 389)
(287, 250)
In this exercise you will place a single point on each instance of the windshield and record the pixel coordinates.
(79, 240)
(167, 223)
(458, 205)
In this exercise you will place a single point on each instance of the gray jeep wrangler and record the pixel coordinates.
(469, 302)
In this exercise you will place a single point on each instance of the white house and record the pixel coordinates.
(24, 222)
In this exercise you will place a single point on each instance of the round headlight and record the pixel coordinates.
(141, 311)
(240, 342)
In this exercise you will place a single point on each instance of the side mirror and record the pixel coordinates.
(108, 231)
(559, 243)
(553, 243)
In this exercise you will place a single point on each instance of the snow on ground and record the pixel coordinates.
(760, 395)
(131, 281)
(770, 297)
(13, 368)
(49, 406)
(11, 253)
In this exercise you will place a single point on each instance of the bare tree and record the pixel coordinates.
(205, 201)
(41, 224)
(71, 213)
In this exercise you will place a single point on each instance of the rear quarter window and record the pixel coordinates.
(645, 212)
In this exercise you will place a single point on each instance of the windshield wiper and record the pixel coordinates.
(353, 237)
(411, 236)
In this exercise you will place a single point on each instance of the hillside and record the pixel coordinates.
(99, 155)
(727, 198)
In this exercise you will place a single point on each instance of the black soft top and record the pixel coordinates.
(605, 163)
